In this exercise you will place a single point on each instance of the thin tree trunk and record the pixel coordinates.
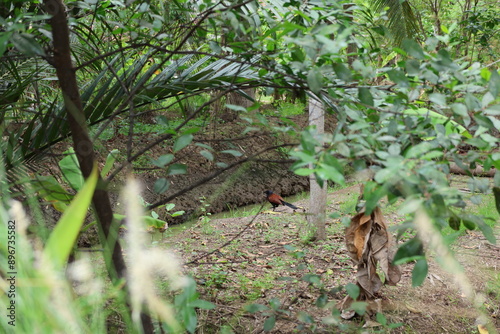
(235, 98)
(317, 205)
(83, 145)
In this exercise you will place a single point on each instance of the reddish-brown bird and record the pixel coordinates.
(276, 200)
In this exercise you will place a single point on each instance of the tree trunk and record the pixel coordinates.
(237, 99)
(83, 145)
(317, 205)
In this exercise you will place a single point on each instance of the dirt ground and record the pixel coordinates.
(257, 259)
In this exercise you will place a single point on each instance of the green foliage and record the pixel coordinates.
(63, 237)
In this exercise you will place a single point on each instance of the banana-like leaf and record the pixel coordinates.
(63, 237)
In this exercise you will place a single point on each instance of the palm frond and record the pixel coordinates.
(403, 22)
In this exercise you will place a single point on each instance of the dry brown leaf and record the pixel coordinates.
(369, 243)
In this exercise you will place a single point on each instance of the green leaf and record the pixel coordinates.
(399, 78)
(233, 153)
(418, 150)
(182, 142)
(342, 72)
(4, 40)
(161, 185)
(494, 84)
(207, 154)
(381, 319)
(419, 272)
(409, 251)
(438, 98)
(327, 172)
(413, 48)
(274, 303)
(190, 320)
(110, 160)
(254, 308)
(63, 237)
(365, 96)
(27, 44)
(236, 107)
(203, 304)
(352, 290)
(315, 80)
(163, 160)
(486, 229)
(177, 169)
(359, 307)
(305, 317)
(70, 168)
(269, 323)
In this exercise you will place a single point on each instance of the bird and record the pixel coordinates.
(276, 200)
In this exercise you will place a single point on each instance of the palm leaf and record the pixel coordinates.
(402, 20)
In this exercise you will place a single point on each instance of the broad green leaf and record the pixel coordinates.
(235, 107)
(27, 44)
(254, 308)
(365, 96)
(207, 154)
(399, 78)
(304, 171)
(413, 48)
(177, 169)
(381, 319)
(269, 323)
(486, 229)
(63, 237)
(163, 160)
(233, 153)
(496, 193)
(359, 307)
(327, 172)
(182, 142)
(418, 150)
(178, 213)
(419, 272)
(4, 40)
(161, 185)
(342, 72)
(110, 160)
(190, 319)
(70, 169)
(438, 98)
(494, 84)
(274, 303)
(352, 290)
(203, 304)
(409, 251)
(305, 317)
(315, 80)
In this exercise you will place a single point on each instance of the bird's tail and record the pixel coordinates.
(289, 205)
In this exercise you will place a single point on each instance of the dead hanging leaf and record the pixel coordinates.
(368, 244)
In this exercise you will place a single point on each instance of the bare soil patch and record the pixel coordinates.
(269, 260)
